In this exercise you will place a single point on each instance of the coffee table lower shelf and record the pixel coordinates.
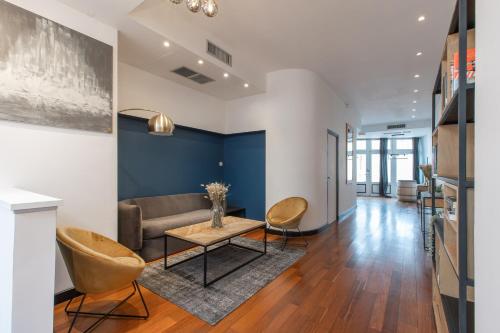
(205, 256)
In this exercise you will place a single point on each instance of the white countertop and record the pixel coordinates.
(17, 199)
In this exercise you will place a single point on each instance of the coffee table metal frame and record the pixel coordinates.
(206, 251)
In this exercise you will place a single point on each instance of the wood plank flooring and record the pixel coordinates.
(368, 273)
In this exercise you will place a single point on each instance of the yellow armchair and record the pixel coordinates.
(98, 264)
(287, 214)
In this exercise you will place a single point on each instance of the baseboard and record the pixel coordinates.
(292, 233)
(346, 213)
(66, 295)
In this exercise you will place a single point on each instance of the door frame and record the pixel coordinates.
(337, 137)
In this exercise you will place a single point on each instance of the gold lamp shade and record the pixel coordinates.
(160, 124)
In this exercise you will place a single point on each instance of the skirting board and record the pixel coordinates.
(292, 233)
(65, 295)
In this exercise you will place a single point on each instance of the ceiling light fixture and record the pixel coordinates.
(159, 124)
(209, 7)
(416, 76)
(226, 75)
(166, 43)
(200, 62)
(414, 102)
(413, 117)
(419, 54)
(414, 110)
(246, 85)
(421, 18)
(415, 91)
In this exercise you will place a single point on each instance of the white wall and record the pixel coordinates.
(77, 166)
(487, 159)
(296, 112)
(184, 105)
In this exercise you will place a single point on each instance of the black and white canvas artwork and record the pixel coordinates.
(51, 75)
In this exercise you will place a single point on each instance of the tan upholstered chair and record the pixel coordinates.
(286, 215)
(98, 264)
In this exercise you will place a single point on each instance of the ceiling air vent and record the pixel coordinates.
(192, 75)
(219, 53)
(396, 126)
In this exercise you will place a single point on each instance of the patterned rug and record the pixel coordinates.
(183, 284)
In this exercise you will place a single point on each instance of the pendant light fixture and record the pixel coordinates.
(209, 7)
(193, 5)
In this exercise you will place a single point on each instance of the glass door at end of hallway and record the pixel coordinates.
(399, 165)
(368, 167)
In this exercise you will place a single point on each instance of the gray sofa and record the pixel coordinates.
(143, 221)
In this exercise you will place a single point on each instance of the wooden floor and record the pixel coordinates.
(367, 274)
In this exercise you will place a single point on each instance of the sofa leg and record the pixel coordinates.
(105, 315)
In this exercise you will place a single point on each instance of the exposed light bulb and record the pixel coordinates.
(193, 5)
(210, 8)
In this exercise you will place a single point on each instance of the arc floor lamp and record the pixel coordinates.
(160, 124)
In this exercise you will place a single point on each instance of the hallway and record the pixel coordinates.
(367, 274)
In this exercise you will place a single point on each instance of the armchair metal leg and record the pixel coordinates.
(104, 315)
(285, 239)
(302, 235)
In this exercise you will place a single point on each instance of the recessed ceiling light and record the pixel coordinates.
(416, 76)
(421, 18)
(419, 54)
(413, 117)
(415, 91)
(414, 110)
(246, 85)
(226, 75)
(414, 102)
(200, 62)
(166, 43)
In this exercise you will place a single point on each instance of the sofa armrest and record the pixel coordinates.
(130, 226)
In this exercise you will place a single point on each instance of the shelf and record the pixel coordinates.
(469, 183)
(450, 259)
(450, 113)
(450, 307)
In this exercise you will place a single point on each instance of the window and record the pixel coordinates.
(361, 145)
(349, 168)
(404, 144)
(404, 167)
(375, 144)
(361, 168)
(375, 168)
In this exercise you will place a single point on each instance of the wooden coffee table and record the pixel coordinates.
(202, 234)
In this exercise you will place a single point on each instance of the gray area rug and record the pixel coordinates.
(183, 284)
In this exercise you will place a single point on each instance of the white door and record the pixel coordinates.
(332, 160)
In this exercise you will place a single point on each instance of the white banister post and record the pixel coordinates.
(27, 261)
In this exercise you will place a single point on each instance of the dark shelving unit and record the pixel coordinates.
(459, 110)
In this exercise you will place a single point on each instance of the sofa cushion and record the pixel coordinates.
(154, 228)
(168, 205)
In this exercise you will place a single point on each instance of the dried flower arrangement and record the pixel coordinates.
(217, 194)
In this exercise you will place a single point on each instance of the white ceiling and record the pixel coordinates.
(365, 49)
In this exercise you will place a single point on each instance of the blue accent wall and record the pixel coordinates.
(245, 169)
(151, 165)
